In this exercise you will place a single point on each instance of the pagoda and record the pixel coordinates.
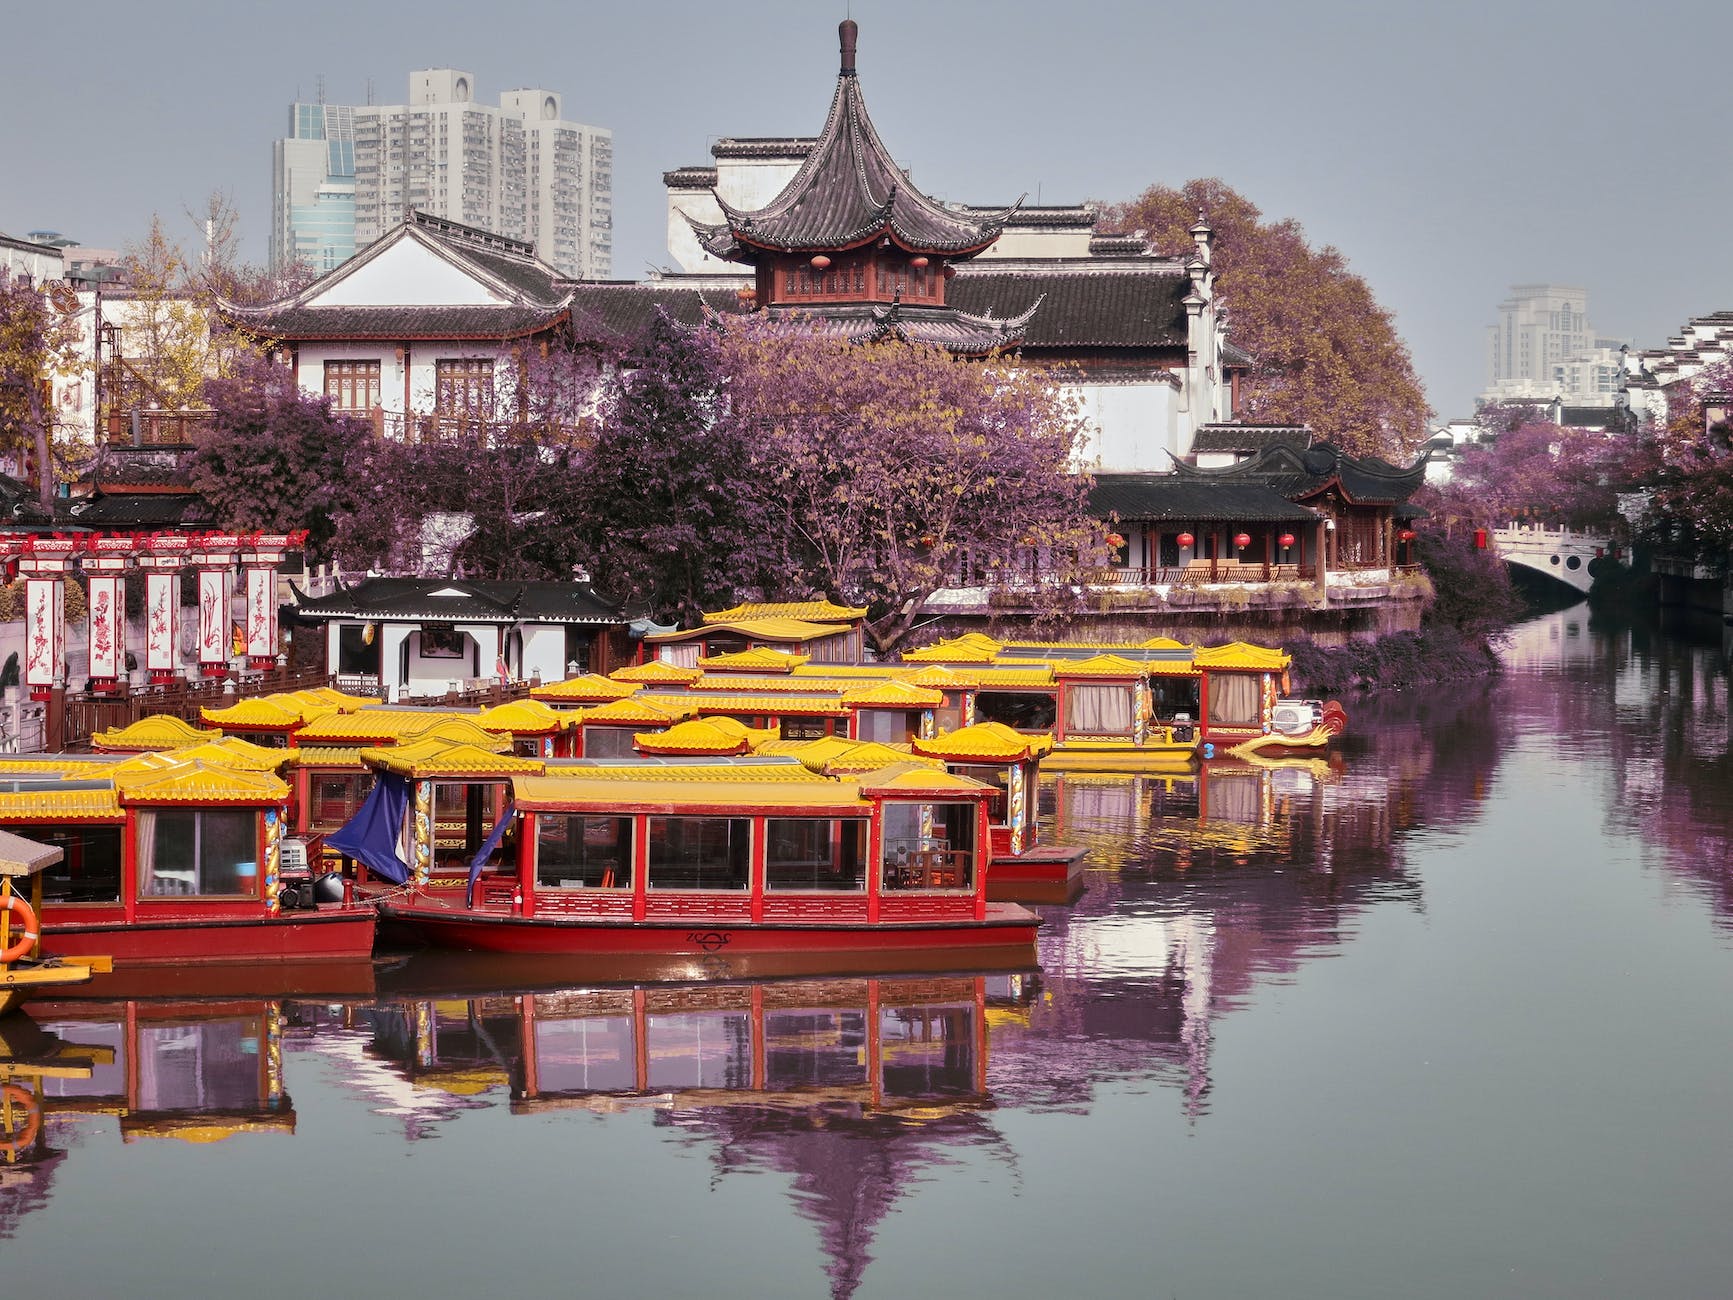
(852, 246)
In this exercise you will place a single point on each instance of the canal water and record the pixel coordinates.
(1445, 1014)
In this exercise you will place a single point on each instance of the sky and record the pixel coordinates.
(1449, 150)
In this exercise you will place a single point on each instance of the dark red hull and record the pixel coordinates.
(336, 934)
(1049, 873)
(621, 950)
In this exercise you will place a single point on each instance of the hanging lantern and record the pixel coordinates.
(747, 294)
(820, 262)
(1185, 539)
(368, 632)
(950, 273)
(1407, 534)
(919, 263)
(1286, 539)
(1242, 540)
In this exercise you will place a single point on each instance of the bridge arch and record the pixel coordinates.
(1562, 554)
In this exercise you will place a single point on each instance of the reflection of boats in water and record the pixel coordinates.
(190, 1071)
(849, 1085)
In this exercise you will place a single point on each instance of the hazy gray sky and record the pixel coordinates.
(1448, 149)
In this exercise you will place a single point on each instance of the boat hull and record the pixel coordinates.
(629, 951)
(1047, 873)
(323, 935)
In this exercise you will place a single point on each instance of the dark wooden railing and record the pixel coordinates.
(143, 427)
(88, 713)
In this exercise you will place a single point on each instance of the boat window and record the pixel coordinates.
(1170, 696)
(198, 851)
(700, 852)
(929, 845)
(887, 726)
(815, 853)
(701, 1049)
(90, 871)
(463, 814)
(583, 852)
(336, 798)
(994, 777)
(610, 742)
(1234, 699)
(1098, 710)
(929, 1051)
(804, 728)
(1020, 710)
(814, 1049)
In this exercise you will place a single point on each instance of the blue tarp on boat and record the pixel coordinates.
(372, 834)
(486, 851)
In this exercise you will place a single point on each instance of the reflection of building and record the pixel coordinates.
(847, 1084)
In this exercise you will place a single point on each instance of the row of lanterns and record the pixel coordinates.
(1241, 540)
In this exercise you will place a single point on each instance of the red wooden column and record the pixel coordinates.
(105, 560)
(213, 555)
(44, 562)
(162, 556)
(260, 554)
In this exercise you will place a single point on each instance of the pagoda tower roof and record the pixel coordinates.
(848, 193)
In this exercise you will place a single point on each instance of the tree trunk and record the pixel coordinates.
(39, 417)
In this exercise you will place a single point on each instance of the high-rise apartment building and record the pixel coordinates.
(313, 188)
(1544, 347)
(346, 175)
(519, 169)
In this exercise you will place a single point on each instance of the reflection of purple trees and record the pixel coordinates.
(1647, 712)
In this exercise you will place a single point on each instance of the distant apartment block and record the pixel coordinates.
(348, 174)
(1544, 347)
(313, 189)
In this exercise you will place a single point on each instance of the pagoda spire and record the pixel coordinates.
(848, 34)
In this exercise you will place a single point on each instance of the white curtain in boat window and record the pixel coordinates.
(144, 850)
(1098, 710)
(1233, 699)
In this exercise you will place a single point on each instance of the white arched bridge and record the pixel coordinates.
(1560, 553)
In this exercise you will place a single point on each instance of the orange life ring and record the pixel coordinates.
(27, 920)
(15, 1143)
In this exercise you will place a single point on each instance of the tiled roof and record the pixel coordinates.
(788, 703)
(754, 629)
(984, 740)
(524, 718)
(893, 694)
(466, 601)
(939, 327)
(440, 758)
(796, 683)
(635, 712)
(703, 736)
(507, 321)
(763, 146)
(1296, 474)
(157, 731)
(848, 190)
(1116, 303)
(1249, 437)
(657, 672)
(263, 712)
(627, 309)
(761, 659)
(591, 688)
(1101, 665)
(1241, 654)
(1170, 497)
(200, 783)
(969, 648)
(140, 510)
(905, 779)
(809, 611)
(52, 806)
(659, 788)
(690, 178)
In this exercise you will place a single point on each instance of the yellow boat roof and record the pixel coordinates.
(806, 611)
(202, 783)
(265, 712)
(655, 790)
(55, 807)
(704, 736)
(591, 688)
(749, 770)
(436, 758)
(525, 718)
(638, 712)
(337, 756)
(657, 671)
(157, 731)
(1102, 665)
(908, 779)
(759, 659)
(772, 628)
(716, 702)
(231, 751)
(985, 742)
(1241, 654)
(971, 648)
(893, 693)
(373, 724)
(741, 683)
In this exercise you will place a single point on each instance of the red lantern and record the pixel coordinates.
(1242, 540)
(1407, 534)
(950, 273)
(919, 263)
(1286, 539)
(820, 262)
(1185, 539)
(746, 294)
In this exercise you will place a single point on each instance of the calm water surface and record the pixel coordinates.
(1445, 1015)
